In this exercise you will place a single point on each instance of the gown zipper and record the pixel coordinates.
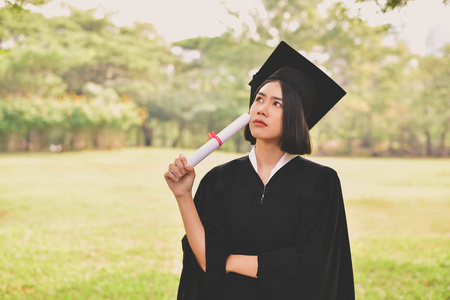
(262, 196)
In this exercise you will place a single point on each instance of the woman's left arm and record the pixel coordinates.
(242, 264)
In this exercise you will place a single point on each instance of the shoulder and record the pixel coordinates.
(232, 165)
(308, 176)
(313, 168)
(228, 167)
(319, 182)
(226, 171)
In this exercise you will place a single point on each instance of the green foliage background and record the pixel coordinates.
(397, 102)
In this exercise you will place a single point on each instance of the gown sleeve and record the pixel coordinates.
(194, 283)
(319, 266)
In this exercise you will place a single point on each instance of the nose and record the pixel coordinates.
(262, 110)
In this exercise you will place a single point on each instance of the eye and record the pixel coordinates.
(279, 104)
(259, 99)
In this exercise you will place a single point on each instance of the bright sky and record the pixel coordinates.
(424, 24)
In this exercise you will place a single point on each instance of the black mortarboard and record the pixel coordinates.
(318, 92)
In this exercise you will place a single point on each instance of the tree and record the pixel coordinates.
(392, 4)
(216, 81)
(433, 106)
(65, 55)
(17, 5)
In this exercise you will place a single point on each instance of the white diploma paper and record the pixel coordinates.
(213, 144)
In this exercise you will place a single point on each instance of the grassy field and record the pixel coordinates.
(103, 225)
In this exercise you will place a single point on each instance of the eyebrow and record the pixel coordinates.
(276, 98)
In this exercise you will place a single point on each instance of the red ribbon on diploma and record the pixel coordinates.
(212, 135)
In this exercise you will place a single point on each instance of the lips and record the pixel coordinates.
(259, 123)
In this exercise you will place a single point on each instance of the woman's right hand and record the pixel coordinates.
(180, 178)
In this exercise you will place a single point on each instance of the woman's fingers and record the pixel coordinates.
(183, 159)
(185, 165)
(178, 169)
(170, 174)
(174, 175)
(189, 168)
(175, 171)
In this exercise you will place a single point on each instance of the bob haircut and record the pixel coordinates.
(295, 138)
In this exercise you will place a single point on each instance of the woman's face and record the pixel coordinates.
(266, 113)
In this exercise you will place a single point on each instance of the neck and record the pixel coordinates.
(267, 155)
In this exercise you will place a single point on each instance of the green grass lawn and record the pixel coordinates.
(103, 225)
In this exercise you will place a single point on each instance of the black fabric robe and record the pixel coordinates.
(296, 225)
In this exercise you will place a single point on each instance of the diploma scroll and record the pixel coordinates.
(215, 142)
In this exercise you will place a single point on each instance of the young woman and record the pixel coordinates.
(270, 225)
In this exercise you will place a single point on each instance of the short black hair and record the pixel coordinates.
(295, 138)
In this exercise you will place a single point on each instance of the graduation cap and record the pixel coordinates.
(318, 92)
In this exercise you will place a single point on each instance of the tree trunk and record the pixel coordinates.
(367, 138)
(81, 140)
(178, 140)
(390, 148)
(36, 140)
(148, 135)
(429, 149)
(138, 138)
(442, 147)
(12, 141)
(349, 146)
(99, 139)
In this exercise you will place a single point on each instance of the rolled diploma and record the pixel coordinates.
(213, 144)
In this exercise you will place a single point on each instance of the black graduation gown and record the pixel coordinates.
(296, 225)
